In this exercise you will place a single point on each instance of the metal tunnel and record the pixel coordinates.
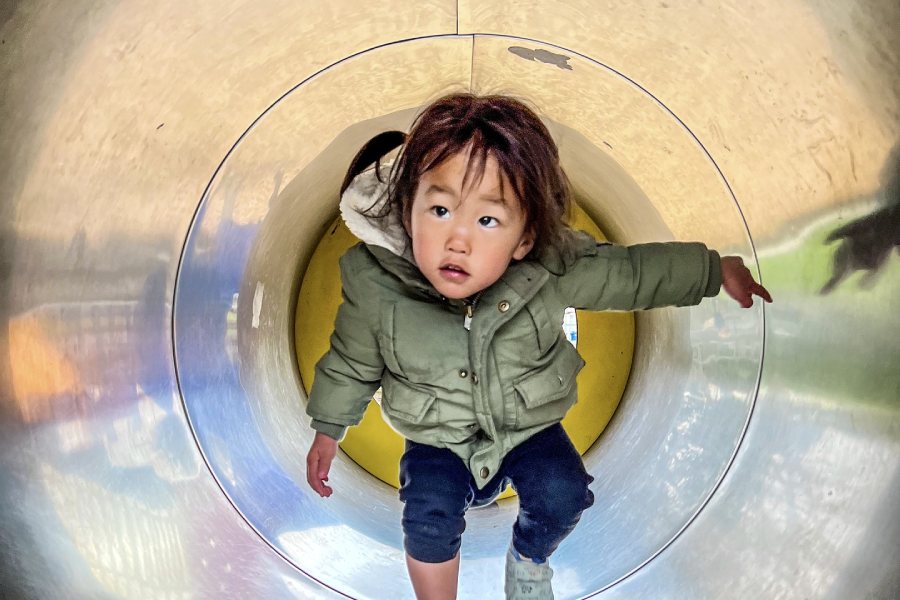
(168, 168)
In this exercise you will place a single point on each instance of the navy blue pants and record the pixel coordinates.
(436, 488)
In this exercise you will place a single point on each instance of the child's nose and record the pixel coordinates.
(458, 241)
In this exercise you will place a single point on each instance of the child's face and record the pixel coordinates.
(463, 240)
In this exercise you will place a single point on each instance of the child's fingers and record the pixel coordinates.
(761, 292)
(317, 468)
(745, 297)
(312, 466)
(740, 294)
(322, 474)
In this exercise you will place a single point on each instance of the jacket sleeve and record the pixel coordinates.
(350, 372)
(610, 277)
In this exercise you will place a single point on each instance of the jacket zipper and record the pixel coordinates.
(470, 310)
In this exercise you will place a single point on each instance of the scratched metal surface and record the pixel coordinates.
(167, 172)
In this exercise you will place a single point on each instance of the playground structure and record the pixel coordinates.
(168, 171)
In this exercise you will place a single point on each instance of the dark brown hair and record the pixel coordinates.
(498, 126)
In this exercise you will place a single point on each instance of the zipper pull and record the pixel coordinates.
(467, 322)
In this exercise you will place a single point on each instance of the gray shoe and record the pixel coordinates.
(527, 580)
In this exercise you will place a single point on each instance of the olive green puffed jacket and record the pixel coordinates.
(481, 391)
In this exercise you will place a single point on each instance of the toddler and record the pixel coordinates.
(453, 304)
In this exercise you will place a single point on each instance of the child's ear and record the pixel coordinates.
(406, 223)
(526, 243)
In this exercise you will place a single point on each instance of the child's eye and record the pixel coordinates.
(488, 222)
(440, 211)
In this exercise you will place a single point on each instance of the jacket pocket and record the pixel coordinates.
(547, 394)
(408, 402)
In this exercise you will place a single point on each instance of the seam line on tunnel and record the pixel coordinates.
(472, 64)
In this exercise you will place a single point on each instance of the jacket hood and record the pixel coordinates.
(364, 199)
(384, 236)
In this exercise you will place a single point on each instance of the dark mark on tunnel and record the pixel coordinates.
(544, 56)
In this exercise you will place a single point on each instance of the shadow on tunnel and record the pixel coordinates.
(866, 243)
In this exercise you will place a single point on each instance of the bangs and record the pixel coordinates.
(480, 148)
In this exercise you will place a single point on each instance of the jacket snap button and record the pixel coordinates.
(463, 373)
(503, 306)
(485, 472)
(474, 378)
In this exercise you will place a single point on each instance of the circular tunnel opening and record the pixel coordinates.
(637, 172)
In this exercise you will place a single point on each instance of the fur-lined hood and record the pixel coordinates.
(366, 197)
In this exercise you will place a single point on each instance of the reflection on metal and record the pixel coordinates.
(866, 243)
(755, 454)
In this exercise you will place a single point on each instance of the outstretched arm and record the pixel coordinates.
(613, 277)
(738, 282)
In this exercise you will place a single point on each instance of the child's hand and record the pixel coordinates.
(318, 463)
(739, 283)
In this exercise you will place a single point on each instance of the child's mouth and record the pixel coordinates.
(453, 273)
